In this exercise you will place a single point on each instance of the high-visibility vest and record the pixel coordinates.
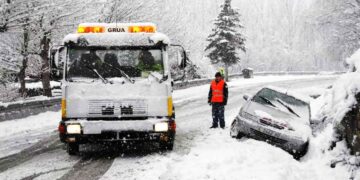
(217, 90)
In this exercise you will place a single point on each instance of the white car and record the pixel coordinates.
(275, 116)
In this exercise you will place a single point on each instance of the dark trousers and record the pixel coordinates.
(218, 114)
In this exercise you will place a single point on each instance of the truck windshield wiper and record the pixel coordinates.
(287, 107)
(267, 101)
(104, 80)
(159, 79)
(123, 74)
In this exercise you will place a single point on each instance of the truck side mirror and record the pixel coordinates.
(57, 57)
(181, 57)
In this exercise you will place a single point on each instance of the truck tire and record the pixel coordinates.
(167, 146)
(72, 148)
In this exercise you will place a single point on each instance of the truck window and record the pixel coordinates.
(136, 63)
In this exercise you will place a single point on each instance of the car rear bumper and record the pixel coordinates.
(258, 131)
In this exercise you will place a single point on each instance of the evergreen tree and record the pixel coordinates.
(226, 39)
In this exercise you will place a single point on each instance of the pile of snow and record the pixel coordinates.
(159, 37)
(354, 61)
(341, 98)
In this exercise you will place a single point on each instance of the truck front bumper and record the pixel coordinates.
(124, 130)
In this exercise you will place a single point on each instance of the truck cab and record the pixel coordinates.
(116, 86)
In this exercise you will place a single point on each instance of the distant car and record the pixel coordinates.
(277, 117)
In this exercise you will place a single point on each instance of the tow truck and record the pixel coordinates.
(116, 85)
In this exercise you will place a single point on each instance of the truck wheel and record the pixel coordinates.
(72, 148)
(165, 146)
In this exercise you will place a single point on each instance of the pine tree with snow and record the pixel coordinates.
(226, 38)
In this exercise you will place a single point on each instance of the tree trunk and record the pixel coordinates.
(4, 27)
(226, 72)
(45, 68)
(21, 75)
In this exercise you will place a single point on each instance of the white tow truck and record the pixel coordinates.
(116, 85)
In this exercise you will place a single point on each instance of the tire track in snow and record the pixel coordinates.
(89, 167)
(40, 147)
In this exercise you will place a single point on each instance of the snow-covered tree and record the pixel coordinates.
(226, 39)
(39, 24)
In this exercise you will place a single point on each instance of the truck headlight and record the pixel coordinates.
(161, 127)
(73, 129)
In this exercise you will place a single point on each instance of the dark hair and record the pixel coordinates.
(218, 74)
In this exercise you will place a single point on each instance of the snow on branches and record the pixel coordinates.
(226, 39)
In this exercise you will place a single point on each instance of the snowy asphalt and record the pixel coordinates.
(199, 153)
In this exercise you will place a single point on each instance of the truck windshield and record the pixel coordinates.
(113, 63)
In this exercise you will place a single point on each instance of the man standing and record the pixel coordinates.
(218, 96)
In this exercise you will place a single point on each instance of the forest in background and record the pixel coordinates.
(282, 35)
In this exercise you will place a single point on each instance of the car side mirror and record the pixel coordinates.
(246, 97)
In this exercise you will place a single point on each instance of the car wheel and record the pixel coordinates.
(72, 148)
(233, 132)
(301, 153)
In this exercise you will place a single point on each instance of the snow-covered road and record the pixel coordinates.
(33, 152)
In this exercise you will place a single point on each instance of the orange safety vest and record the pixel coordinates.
(217, 90)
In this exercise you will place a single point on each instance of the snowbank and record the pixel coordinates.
(354, 61)
(45, 122)
(341, 98)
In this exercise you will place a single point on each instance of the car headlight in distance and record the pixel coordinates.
(73, 129)
(161, 127)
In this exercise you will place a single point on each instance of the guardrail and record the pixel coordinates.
(198, 82)
(26, 108)
(21, 109)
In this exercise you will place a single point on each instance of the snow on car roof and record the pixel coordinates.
(290, 93)
(117, 39)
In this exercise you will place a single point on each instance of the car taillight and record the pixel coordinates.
(274, 124)
(266, 121)
(61, 128)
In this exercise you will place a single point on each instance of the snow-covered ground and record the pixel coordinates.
(16, 135)
(200, 152)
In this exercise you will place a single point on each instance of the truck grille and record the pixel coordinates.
(122, 108)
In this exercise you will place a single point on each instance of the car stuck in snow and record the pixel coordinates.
(276, 116)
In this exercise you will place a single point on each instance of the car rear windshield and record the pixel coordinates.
(282, 102)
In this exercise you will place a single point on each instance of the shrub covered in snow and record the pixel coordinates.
(340, 108)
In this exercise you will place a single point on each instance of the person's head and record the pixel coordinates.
(147, 59)
(218, 76)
